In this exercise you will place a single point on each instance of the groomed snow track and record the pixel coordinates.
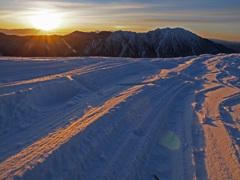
(120, 118)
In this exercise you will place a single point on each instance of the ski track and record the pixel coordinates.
(106, 118)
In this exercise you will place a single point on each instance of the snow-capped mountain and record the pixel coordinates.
(158, 43)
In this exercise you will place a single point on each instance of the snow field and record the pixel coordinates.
(120, 118)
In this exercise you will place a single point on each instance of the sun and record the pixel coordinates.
(45, 21)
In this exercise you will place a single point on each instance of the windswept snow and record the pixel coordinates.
(120, 118)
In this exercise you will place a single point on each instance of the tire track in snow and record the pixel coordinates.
(40, 150)
(95, 147)
(55, 118)
(221, 160)
(18, 164)
(49, 122)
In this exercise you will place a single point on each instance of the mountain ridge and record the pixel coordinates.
(160, 43)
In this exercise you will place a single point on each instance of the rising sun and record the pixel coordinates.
(45, 21)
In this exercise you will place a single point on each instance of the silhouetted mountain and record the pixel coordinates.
(11, 45)
(26, 32)
(21, 32)
(159, 43)
(229, 44)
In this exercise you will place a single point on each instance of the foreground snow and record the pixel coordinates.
(120, 118)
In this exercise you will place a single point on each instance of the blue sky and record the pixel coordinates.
(209, 18)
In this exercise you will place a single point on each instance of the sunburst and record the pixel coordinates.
(45, 21)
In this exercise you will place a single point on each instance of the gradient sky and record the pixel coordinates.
(208, 18)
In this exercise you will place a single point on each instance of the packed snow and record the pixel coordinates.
(120, 118)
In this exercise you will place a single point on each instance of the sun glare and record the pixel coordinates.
(45, 21)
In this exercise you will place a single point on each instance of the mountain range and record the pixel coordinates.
(166, 42)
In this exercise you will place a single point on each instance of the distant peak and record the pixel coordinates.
(77, 32)
(171, 29)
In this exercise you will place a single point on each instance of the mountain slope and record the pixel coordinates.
(159, 43)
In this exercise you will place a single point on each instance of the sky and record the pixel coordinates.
(219, 19)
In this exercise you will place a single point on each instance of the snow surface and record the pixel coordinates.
(120, 118)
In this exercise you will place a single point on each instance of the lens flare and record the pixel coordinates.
(170, 141)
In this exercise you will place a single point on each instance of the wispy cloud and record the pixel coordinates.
(125, 11)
